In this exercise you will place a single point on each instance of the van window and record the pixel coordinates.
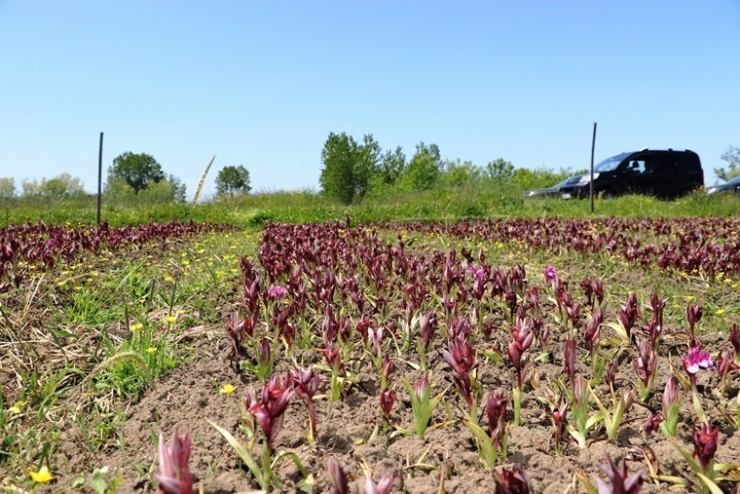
(611, 163)
(641, 165)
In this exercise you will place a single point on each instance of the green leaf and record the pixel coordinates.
(97, 482)
(494, 356)
(689, 459)
(619, 329)
(594, 419)
(580, 438)
(307, 484)
(586, 482)
(77, 482)
(486, 450)
(293, 456)
(242, 452)
(713, 488)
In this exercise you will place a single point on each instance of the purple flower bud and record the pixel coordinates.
(306, 381)
(670, 395)
(693, 315)
(427, 325)
(264, 352)
(593, 330)
(384, 486)
(622, 482)
(651, 424)
(174, 476)
(735, 340)
(337, 477)
(646, 362)
(705, 444)
(376, 337)
(726, 363)
(511, 481)
(387, 399)
(387, 368)
(421, 387)
(269, 409)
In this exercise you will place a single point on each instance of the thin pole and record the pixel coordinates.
(591, 183)
(100, 176)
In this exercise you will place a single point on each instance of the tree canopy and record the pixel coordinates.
(732, 157)
(424, 169)
(233, 180)
(338, 176)
(138, 170)
(354, 170)
(7, 188)
(63, 186)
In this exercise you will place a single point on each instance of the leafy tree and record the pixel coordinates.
(7, 188)
(424, 168)
(500, 170)
(138, 170)
(63, 186)
(732, 157)
(233, 180)
(460, 174)
(367, 164)
(350, 169)
(31, 189)
(338, 175)
(165, 191)
(392, 165)
(179, 189)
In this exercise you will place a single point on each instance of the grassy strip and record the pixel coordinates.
(447, 205)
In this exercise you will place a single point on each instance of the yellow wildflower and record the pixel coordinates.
(43, 476)
(151, 350)
(17, 408)
(719, 312)
(170, 319)
(227, 389)
(136, 327)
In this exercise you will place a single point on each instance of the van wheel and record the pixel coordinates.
(606, 194)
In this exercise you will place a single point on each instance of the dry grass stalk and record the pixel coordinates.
(202, 181)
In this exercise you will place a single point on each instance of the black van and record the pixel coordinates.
(664, 173)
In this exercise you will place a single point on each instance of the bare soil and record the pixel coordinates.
(446, 460)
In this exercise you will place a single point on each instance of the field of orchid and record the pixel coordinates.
(507, 356)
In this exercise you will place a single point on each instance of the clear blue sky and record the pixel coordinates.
(263, 83)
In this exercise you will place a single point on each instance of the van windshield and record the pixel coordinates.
(610, 164)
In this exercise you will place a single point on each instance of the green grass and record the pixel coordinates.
(445, 204)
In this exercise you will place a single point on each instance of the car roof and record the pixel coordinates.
(665, 150)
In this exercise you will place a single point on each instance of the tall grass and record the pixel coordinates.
(442, 204)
